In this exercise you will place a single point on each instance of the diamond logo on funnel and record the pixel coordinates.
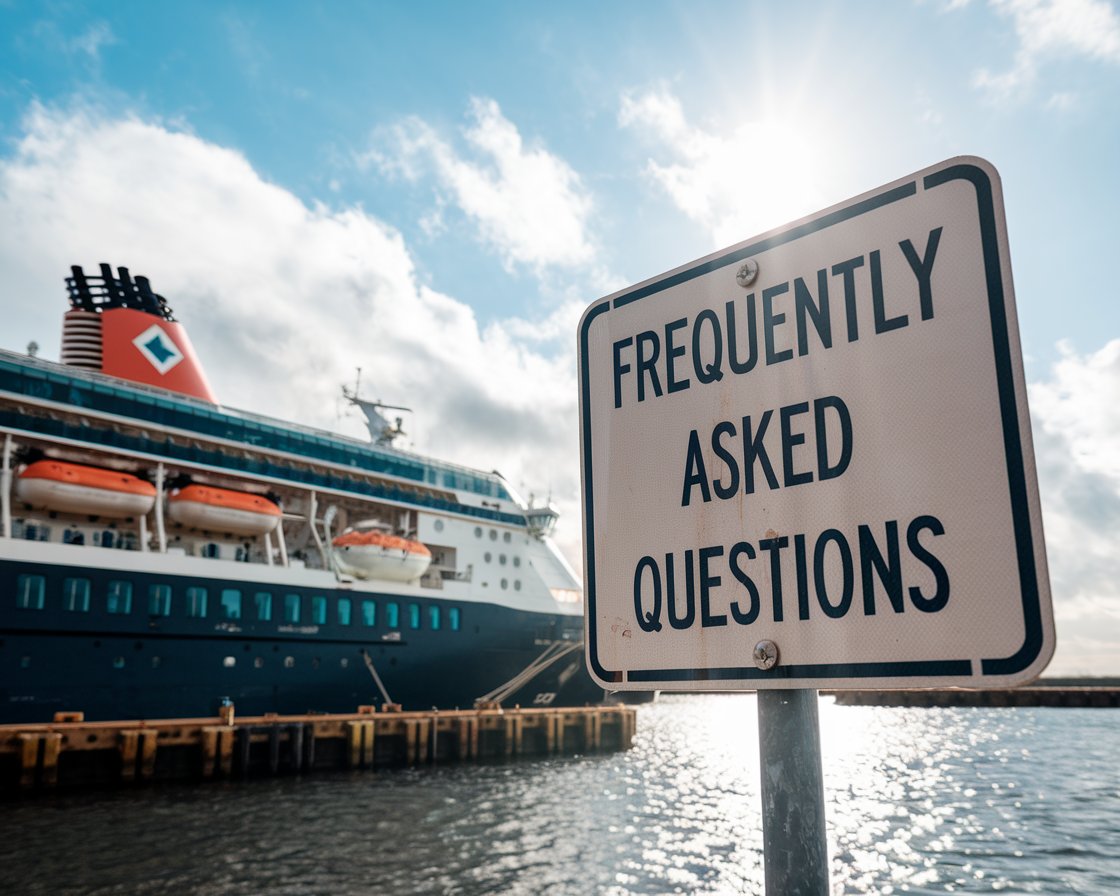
(157, 347)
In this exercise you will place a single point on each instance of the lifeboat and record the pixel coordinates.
(373, 554)
(222, 510)
(75, 488)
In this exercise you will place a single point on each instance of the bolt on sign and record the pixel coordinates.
(807, 458)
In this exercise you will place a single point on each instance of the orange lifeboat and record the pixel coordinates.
(222, 510)
(373, 554)
(75, 488)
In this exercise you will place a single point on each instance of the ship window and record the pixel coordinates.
(477, 532)
(196, 603)
(454, 619)
(229, 662)
(30, 592)
(433, 617)
(118, 662)
(506, 537)
(107, 538)
(505, 584)
(487, 556)
(289, 662)
(211, 549)
(159, 600)
(438, 525)
(493, 534)
(25, 662)
(318, 609)
(263, 602)
(393, 614)
(369, 613)
(291, 608)
(258, 662)
(344, 662)
(75, 595)
(156, 662)
(119, 597)
(414, 615)
(502, 559)
(516, 561)
(344, 611)
(517, 584)
(231, 603)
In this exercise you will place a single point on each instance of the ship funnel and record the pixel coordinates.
(118, 326)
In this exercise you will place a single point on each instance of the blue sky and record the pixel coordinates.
(433, 192)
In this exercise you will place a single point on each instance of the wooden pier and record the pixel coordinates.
(71, 752)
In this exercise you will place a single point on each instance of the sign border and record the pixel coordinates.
(980, 174)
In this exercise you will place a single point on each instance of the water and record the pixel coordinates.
(918, 801)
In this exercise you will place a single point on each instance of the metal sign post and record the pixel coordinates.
(795, 853)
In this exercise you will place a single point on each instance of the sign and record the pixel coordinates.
(807, 459)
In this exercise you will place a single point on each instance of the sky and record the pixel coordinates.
(433, 193)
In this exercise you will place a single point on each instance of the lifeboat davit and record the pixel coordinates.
(75, 488)
(372, 554)
(222, 510)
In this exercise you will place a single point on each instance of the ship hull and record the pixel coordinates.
(63, 657)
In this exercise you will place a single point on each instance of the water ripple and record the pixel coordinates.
(918, 801)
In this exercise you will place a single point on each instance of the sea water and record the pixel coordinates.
(937, 800)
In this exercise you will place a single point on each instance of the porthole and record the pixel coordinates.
(156, 662)
(229, 662)
(118, 662)
(505, 584)
(493, 534)
(478, 531)
(258, 662)
(438, 525)
(502, 559)
(506, 537)
(344, 662)
(25, 662)
(289, 662)
(487, 556)
(516, 561)
(517, 584)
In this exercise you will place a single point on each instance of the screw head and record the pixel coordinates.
(765, 655)
(748, 270)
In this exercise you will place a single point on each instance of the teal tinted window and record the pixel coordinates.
(75, 595)
(433, 617)
(159, 600)
(196, 603)
(344, 611)
(369, 613)
(291, 608)
(231, 603)
(414, 615)
(393, 614)
(118, 599)
(319, 609)
(454, 622)
(30, 591)
(262, 600)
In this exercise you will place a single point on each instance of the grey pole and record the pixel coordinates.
(795, 853)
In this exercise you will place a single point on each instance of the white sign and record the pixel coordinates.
(817, 441)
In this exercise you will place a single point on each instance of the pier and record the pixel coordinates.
(70, 752)
(1040, 695)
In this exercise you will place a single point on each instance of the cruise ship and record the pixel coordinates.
(162, 556)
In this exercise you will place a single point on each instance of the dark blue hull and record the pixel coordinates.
(60, 653)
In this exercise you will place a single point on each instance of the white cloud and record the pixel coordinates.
(1049, 29)
(1077, 447)
(735, 185)
(282, 300)
(528, 203)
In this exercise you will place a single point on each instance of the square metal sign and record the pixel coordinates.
(807, 458)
